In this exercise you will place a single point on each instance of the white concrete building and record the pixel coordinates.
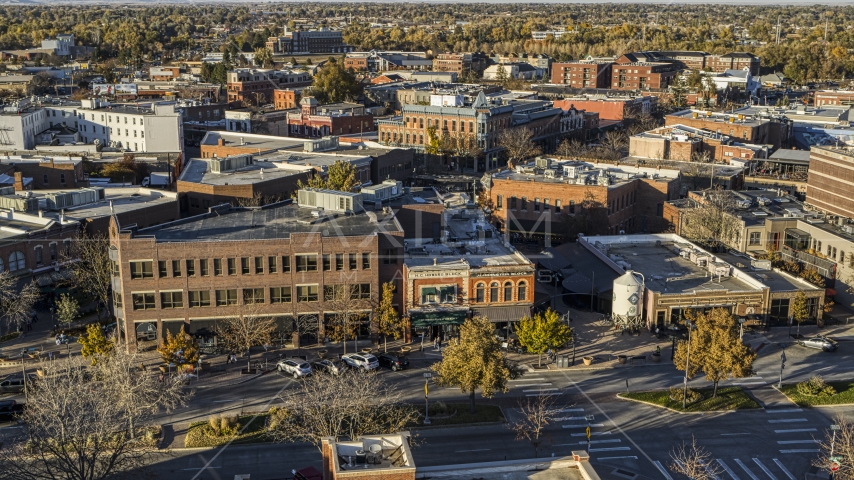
(20, 123)
(61, 45)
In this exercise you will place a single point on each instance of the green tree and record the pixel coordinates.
(340, 176)
(334, 83)
(94, 343)
(543, 332)
(67, 309)
(388, 322)
(799, 309)
(474, 361)
(263, 57)
(179, 349)
(501, 74)
(679, 91)
(433, 141)
(716, 348)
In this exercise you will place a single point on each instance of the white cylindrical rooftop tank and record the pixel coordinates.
(628, 295)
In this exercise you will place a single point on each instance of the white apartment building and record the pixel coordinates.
(19, 125)
(157, 128)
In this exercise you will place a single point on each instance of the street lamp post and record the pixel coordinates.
(741, 328)
(427, 377)
(782, 365)
(833, 460)
(687, 359)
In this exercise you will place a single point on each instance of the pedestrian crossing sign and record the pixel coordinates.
(587, 431)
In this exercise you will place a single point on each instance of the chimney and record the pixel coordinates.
(220, 142)
(19, 181)
(41, 213)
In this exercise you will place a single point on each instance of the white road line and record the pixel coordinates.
(616, 440)
(609, 449)
(476, 450)
(744, 467)
(530, 384)
(786, 471)
(584, 425)
(591, 433)
(196, 468)
(747, 384)
(225, 401)
(764, 469)
(795, 430)
(731, 434)
(616, 458)
(663, 471)
(565, 410)
(788, 420)
(527, 379)
(566, 419)
(820, 369)
(801, 450)
(785, 410)
(792, 442)
(727, 469)
(546, 394)
(542, 390)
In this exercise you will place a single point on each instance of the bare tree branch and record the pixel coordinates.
(694, 461)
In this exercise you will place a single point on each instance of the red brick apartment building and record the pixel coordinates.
(47, 173)
(582, 74)
(529, 203)
(834, 97)
(316, 121)
(774, 131)
(641, 76)
(275, 260)
(245, 84)
(611, 107)
(286, 98)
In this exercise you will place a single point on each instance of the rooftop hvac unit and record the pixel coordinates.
(330, 200)
(849, 229)
(543, 162)
(227, 164)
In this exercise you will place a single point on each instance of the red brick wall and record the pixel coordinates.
(607, 109)
(55, 171)
(221, 151)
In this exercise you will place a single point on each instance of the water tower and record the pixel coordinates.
(627, 306)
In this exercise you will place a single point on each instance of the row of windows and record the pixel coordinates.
(229, 297)
(494, 287)
(250, 265)
(523, 204)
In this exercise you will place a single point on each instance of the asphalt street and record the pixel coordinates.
(777, 443)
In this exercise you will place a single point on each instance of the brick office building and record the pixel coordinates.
(541, 202)
(257, 85)
(315, 121)
(35, 245)
(610, 107)
(460, 62)
(761, 130)
(833, 97)
(642, 75)
(829, 184)
(286, 98)
(582, 74)
(321, 40)
(679, 142)
(46, 173)
(276, 260)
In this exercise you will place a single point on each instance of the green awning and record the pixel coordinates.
(428, 291)
(426, 319)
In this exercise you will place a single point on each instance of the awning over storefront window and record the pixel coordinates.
(502, 314)
(426, 319)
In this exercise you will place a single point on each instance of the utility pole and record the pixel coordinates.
(687, 359)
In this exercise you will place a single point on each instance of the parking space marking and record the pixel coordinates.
(796, 430)
(792, 442)
(583, 425)
(784, 469)
(609, 449)
(616, 440)
(764, 469)
(785, 410)
(727, 469)
(746, 470)
(801, 450)
(788, 420)
(616, 458)
(475, 450)
(593, 434)
(540, 390)
(663, 471)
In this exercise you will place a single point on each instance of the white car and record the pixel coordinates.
(362, 361)
(294, 366)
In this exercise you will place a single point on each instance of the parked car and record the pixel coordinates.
(294, 366)
(329, 366)
(362, 361)
(10, 410)
(392, 361)
(13, 384)
(819, 342)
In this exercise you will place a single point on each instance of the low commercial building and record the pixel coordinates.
(322, 40)
(257, 85)
(316, 121)
(550, 199)
(833, 97)
(611, 107)
(34, 245)
(683, 143)
(281, 260)
(460, 63)
(463, 269)
(746, 127)
(380, 61)
(678, 277)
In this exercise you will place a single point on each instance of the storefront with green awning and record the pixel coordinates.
(442, 317)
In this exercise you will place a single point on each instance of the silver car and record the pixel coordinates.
(820, 343)
(296, 367)
(361, 361)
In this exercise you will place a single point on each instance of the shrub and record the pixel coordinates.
(439, 408)
(676, 394)
(213, 423)
(816, 387)
(228, 425)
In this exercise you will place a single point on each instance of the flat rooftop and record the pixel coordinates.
(619, 175)
(666, 271)
(470, 241)
(776, 281)
(119, 200)
(802, 114)
(748, 119)
(264, 143)
(270, 222)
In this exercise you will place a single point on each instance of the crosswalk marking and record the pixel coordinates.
(527, 379)
(709, 471)
(792, 442)
(608, 449)
(788, 420)
(591, 433)
(764, 469)
(796, 430)
(663, 471)
(583, 425)
(566, 419)
(787, 472)
(727, 469)
(539, 390)
(531, 385)
(541, 394)
(784, 410)
(617, 440)
(616, 458)
(566, 410)
(801, 450)
(744, 467)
